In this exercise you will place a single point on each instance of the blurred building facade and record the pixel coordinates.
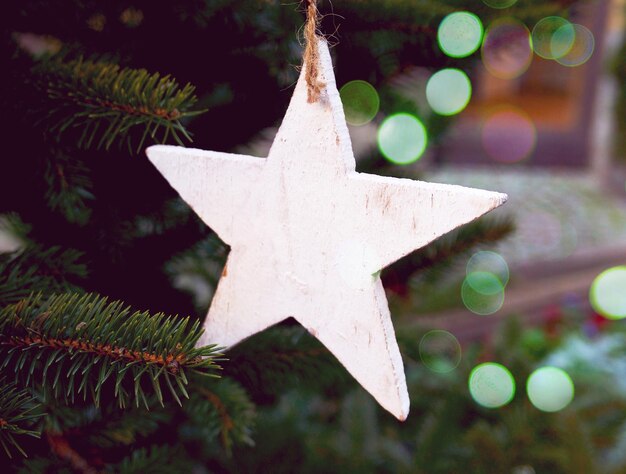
(546, 115)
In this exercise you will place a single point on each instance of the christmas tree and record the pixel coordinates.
(110, 273)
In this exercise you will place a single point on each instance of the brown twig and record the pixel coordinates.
(62, 448)
(227, 421)
(129, 109)
(171, 362)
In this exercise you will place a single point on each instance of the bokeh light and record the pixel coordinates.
(97, 22)
(402, 138)
(550, 389)
(524, 469)
(448, 91)
(507, 49)
(499, 4)
(440, 351)
(460, 34)
(553, 37)
(487, 273)
(508, 135)
(131, 17)
(360, 102)
(608, 293)
(491, 262)
(482, 293)
(38, 45)
(581, 49)
(485, 283)
(491, 385)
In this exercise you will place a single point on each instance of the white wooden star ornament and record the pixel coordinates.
(309, 235)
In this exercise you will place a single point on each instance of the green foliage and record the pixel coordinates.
(15, 228)
(428, 263)
(69, 187)
(219, 409)
(172, 214)
(43, 465)
(18, 411)
(447, 431)
(107, 102)
(74, 344)
(156, 460)
(359, 444)
(283, 357)
(198, 269)
(460, 242)
(38, 269)
(106, 426)
(125, 428)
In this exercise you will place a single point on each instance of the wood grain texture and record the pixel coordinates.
(309, 235)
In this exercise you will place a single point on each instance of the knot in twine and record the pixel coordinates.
(311, 53)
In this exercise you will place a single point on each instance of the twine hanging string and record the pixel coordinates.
(311, 52)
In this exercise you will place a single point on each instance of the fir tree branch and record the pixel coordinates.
(18, 411)
(480, 232)
(69, 187)
(220, 408)
(198, 269)
(15, 230)
(105, 426)
(77, 343)
(123, 429)
(106, 103)
(283, 357)
(37, 269)
(428, 262)
(158, 460)
(173, 213)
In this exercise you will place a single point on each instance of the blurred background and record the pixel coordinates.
(511, 327)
